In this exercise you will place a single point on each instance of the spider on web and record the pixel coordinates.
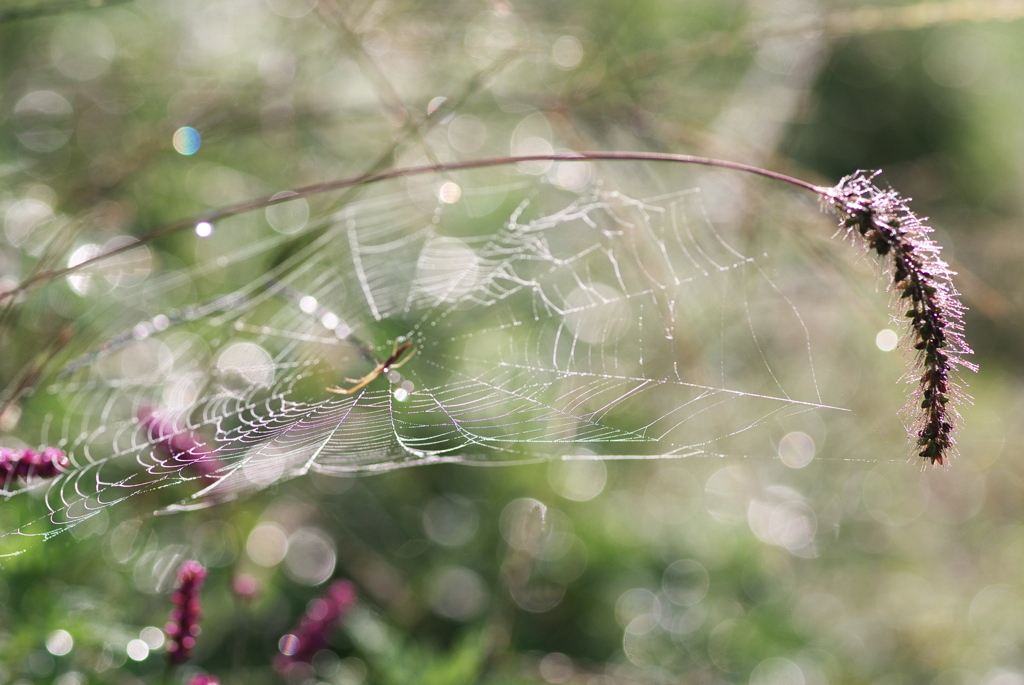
(391, 362)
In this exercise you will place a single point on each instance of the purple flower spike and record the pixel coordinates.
(184, 624)
(8, 462)
(311, 634)
(180, 445)
(203, 679)
(46, 464)
(28, 463)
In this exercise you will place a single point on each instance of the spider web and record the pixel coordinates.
(542, 323)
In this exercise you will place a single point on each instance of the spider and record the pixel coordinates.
(391, 362)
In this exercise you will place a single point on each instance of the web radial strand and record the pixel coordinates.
(522, 322)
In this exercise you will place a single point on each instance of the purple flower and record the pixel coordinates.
(203, 679)
(180, 445)
(245, 587)
(27, 463)
(184, 624)
(311, 634)
(8, 462)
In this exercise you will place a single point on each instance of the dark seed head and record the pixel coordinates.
(889, 227)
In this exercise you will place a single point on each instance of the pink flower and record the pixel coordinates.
(311, 634)
(184, 624)
(180, 445)
(28, 463)
(245, 586)
(203, 679)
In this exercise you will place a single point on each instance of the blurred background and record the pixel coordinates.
(813, 551)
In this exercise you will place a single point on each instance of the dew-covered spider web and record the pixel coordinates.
(524, 322)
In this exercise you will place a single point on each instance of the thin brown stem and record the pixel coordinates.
(377, 177)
